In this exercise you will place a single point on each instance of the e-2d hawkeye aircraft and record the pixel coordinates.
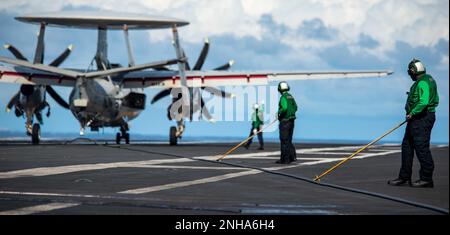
(111, 95)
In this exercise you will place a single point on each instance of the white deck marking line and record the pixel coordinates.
(367, 155)
(39, 208)
(207, 180)
(59, 195)
(275, 153)
(46, 171)
(189, 183)
(264, 155)
(267, 155)
(216, 178)
(354, 147)
(234, 175)
(188, 167)
(327, 153)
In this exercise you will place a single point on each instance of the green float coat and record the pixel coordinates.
(257, 118)
(287, 107)
(422, 95)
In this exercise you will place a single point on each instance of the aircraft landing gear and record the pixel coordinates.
(175, 133)
(36, 134)
(173, 139)
(123, 134)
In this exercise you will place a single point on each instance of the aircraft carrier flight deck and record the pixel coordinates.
(151, 178)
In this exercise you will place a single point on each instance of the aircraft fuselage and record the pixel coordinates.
(101, 102)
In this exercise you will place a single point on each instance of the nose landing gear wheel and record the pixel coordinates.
(36, 134)
(173, 138)
(125, 136)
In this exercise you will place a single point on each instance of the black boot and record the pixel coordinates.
(422, 184)
(399, 182)
(282, 162)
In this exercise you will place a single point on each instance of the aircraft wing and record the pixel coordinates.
(170, 79)
(33, 74)
(38, 74)
(22, 75)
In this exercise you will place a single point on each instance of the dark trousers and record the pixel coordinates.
(417, 139)
(260, 138)
(288, 153)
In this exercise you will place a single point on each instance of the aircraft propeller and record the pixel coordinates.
(13, 101)
(198, 66)
(25, 89)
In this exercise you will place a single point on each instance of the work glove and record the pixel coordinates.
(255, 131)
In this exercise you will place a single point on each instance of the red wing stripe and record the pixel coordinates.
(203, 78)
(29, 76)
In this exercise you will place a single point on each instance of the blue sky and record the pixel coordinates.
(266, 35)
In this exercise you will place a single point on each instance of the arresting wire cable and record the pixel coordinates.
(304, 179)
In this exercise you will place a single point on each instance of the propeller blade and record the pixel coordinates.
(202, 56)
(111, 72)
(15, 52)
(62, 57)
(225, 66)
(205, 111)
(218, 92)
(57, 98)
(42, 67)
(13, 101)
(161, 95)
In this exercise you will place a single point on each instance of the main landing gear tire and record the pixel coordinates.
(36, 134)
(173, 138)
(126, 136)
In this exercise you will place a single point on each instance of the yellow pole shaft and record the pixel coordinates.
(237, 146)
(359, 150)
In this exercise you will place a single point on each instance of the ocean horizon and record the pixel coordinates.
(6, 136)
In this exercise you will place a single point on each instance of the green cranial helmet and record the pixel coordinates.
(415, 68)
(283, 86)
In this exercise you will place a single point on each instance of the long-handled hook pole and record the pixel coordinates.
(359, 150)
(237, 146)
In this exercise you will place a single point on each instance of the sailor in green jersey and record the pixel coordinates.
(257, 122)
(420, 109)
(286, 116)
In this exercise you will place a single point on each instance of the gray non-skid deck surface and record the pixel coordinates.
(130, 179)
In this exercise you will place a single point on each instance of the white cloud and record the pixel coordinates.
(256, 8)
(443, 65)
(417, 22)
